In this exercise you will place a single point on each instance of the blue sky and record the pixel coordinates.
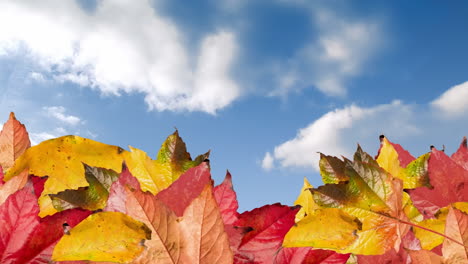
(264, 84)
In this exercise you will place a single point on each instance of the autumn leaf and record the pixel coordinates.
(182, 192)
(306, 255)
(449, 181)
(14, 140)
(115, 237)
(455, 246)
(13, 185)
(368, 206)
(455, 250)
(430, 240)
(227, 200)
(24, 237)
(425, 256)
(413, 175)
(61, 159)
(461, 156)
(93, 197)
(409, 243)
(172, 160)
(268, 225)
(310, 218)
(197, 236)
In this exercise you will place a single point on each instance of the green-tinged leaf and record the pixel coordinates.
(372, 198)
(414, 175)
(93, 197)
(332, 169)
(104, 236)
(156, 175)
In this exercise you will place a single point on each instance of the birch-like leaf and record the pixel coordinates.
(14, 140)
(456, 228)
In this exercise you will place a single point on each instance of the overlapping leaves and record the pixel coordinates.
(75, 199)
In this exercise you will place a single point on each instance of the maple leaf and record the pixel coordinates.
(24, 237)
(413, 172)
(195, 236)
(368, 216)
(172, 160)
(449, 181)
(14, 140)
(268, 225)
(61, 159)
(310, 217)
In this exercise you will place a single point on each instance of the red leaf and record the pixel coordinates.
(448, 180)
(461, 156)
(294, 255)
(185, 189)
(269, 224)
(118, 195)
(227, 201)
(24, 237)
(325, 257)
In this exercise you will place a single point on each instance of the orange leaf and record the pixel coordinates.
(14, 140)
(456, 227)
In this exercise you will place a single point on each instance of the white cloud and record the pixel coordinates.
(337, 133)
(58, 112)
(339, 52)
(122, 46)
(37, 138)
(267, 162)
(38, 77)
(454, 101)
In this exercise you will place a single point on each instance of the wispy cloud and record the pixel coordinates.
(338, 53)
(122, 47)
(58, 112)
(38, 137)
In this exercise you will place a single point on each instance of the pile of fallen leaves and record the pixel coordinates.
(75, 200)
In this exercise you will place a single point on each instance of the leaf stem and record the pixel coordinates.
(432, 231)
